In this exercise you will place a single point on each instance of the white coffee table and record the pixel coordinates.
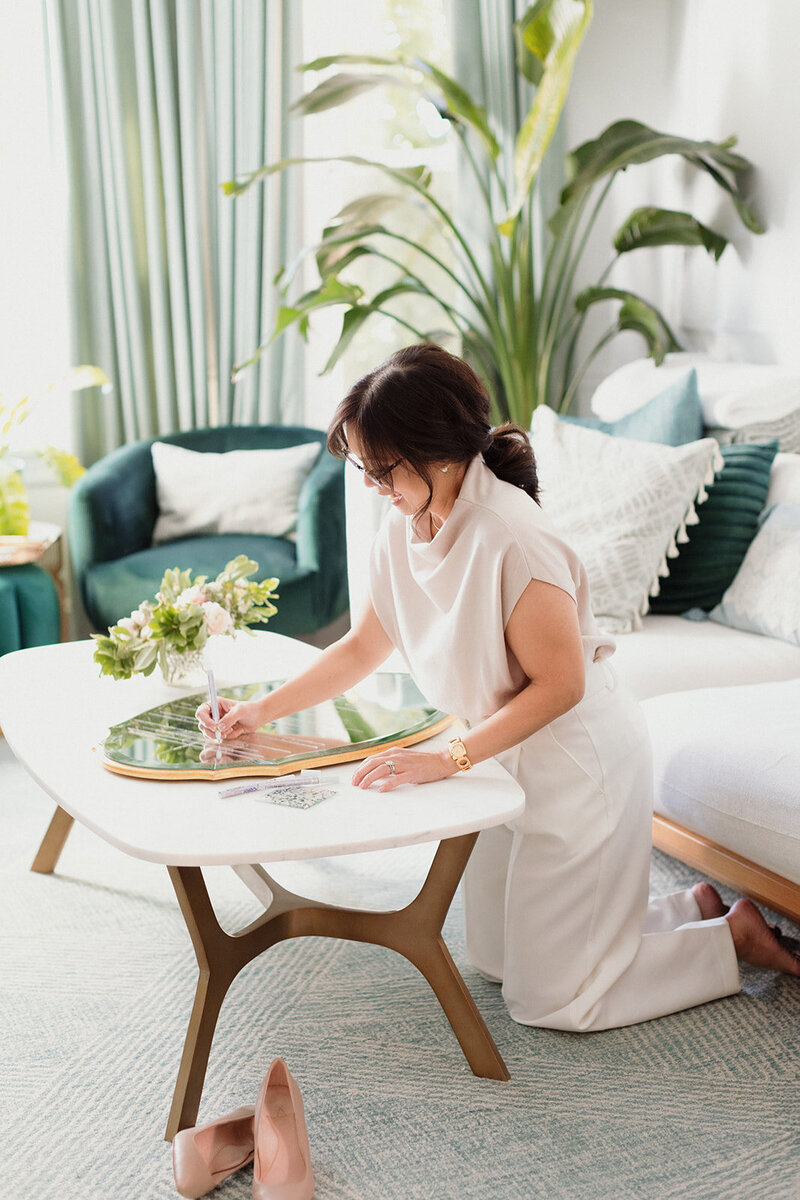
(54, 710)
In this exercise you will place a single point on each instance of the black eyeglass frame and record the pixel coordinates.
(379, 480)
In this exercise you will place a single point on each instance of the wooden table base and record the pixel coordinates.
(414, 931)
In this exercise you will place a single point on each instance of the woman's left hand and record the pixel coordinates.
(393, 768)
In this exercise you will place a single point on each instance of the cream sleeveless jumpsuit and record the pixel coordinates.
(556, 902)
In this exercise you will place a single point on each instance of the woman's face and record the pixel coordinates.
(405, 490)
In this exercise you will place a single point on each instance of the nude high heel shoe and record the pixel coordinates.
(205, 1155)
(282, 1165)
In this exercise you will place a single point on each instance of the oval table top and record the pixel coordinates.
(55, 709)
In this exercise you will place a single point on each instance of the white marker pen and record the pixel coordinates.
(264, 785)
(212, 695)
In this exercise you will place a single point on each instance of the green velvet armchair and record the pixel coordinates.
(113, 510)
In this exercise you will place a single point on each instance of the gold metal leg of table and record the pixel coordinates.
(414, 932)
(53, 841)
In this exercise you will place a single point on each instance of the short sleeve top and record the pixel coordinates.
(445, 603)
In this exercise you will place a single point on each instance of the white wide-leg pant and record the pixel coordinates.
(556, 902)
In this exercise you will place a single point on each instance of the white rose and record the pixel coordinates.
(128, 623)
(191, 595)
(142, 615)
(216, 618)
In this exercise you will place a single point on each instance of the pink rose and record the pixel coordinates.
(216, 618)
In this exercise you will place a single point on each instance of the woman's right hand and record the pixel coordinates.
(236, 717)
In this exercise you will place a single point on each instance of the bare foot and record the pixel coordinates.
(756, 943)
(709, 901)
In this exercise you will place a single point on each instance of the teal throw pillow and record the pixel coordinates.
(673, 417)
(728, 521)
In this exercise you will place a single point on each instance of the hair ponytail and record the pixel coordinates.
(509, 455)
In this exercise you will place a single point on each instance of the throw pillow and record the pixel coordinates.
(733, 394)
(785, 430)
(622, 505)
(673, 417)
(765, 595)
(241, 491)
(707, 564)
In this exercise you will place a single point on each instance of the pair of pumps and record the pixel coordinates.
(273, 1136)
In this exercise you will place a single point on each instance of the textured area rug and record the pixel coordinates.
(97, 983)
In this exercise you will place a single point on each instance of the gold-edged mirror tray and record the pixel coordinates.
(165, 743)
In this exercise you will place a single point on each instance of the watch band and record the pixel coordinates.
(458, 753)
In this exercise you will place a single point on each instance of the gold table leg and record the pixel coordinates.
(53, 841)
(413, 931)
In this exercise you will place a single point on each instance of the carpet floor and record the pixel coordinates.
(97, 982)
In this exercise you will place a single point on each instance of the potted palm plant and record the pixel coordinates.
(517, 319)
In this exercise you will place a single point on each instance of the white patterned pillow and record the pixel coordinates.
(622, 505)
(765, 594)
(784, 430)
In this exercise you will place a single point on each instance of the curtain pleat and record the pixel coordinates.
(173, 281)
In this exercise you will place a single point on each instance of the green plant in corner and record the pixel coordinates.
(513, 313)
(14, 511)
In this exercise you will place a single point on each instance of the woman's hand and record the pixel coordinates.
(236, 717)
(410, 766)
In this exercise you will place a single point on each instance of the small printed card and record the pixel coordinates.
(293, 795)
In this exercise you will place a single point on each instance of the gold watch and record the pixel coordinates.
(458, 753)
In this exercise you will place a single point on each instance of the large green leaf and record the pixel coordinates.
(456, 102)
(416, 177)
(355, 316)
(14, 512)
(626, 143)
(651, 226)
(338, 89)
(552, 31)
(331, 292)
(459, 104)
(636, 315)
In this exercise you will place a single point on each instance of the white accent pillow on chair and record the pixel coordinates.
(240, 491)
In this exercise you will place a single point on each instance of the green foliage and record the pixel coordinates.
(516, 318)
(187, 611)
(14, 513)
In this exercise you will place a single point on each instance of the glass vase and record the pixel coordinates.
(184, 668)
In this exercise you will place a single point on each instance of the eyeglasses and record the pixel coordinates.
(376, 479)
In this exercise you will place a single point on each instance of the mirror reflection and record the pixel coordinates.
(385, 709)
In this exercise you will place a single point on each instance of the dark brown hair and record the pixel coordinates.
(426, 406)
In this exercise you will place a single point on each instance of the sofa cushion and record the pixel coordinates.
(622, 505)
(734, 395)
(765, 595)
(726, 766)
(728, 521)
(673, 417)
(671, 654)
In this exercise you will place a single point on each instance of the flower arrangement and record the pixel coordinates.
(186, 613)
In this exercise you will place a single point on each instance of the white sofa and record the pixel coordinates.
(723, 708)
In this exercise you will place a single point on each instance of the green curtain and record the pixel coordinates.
(161, 101)
(484, 61)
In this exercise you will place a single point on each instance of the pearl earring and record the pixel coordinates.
(444, 470)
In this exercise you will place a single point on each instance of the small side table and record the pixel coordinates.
(24, 586)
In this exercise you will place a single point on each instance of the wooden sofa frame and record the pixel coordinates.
(761, 885)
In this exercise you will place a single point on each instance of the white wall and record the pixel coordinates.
(702, 69)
